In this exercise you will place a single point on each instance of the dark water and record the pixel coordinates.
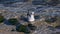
(15, 5)
(11, 1)
(34, 2)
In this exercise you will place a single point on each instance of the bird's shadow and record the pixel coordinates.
(24, 18)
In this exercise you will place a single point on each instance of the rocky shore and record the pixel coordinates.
(18, 9)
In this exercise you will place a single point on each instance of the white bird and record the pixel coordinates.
(31, 17)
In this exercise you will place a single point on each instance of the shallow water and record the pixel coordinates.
(21, 6)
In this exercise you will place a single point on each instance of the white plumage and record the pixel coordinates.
(31, 17)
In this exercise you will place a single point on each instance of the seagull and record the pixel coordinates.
(30, 17)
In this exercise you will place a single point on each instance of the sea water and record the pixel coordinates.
(23, 6)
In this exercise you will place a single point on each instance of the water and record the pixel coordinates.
(21, 6)
(11, 1)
